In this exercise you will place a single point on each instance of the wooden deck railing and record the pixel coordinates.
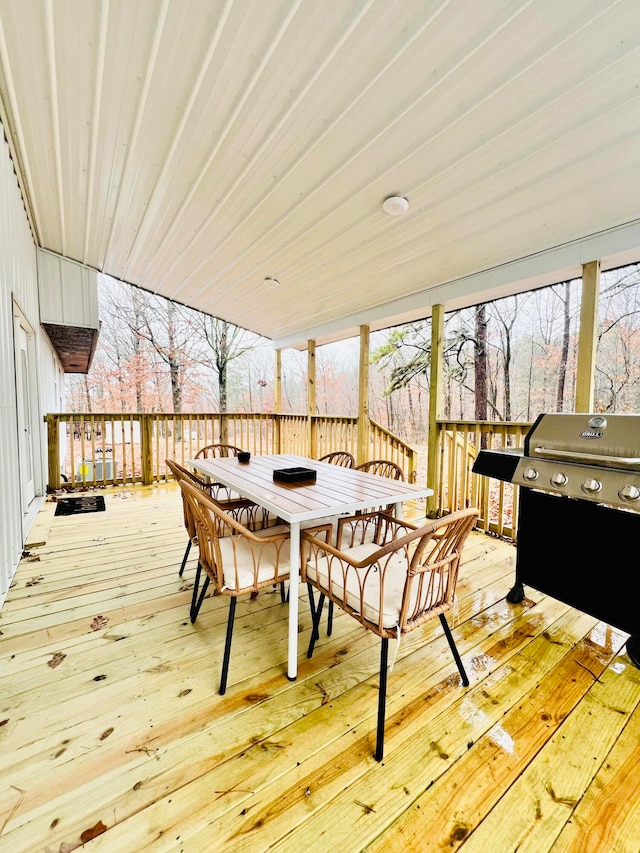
(103, 449)
(458, 487)
(385, 445)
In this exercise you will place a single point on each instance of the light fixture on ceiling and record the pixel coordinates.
(395, 205)
(271, 282)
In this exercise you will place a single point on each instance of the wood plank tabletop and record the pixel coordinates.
(335, 490)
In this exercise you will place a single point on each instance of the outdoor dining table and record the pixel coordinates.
(335, 491)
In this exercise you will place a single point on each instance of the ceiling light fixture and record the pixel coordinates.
(395, 205)
(272, 282)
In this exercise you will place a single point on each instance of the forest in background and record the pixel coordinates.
(505, 360)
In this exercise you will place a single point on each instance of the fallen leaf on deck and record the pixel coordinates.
(56, 660)
(325, 695)
(31, 558)
(99, 622)
(34, 581)
(93, 832)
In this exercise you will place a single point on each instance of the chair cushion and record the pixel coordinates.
(320, 522)
(395, 575)
(242, 552)
(240, 555)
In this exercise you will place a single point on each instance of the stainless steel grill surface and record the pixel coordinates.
(579, 514)
(592, 457)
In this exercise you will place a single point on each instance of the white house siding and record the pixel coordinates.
(18, 288)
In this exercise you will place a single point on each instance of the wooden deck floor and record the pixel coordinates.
(111, 725)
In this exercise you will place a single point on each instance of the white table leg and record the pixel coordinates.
(294, 563)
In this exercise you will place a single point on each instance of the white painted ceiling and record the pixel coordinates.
(195, 147)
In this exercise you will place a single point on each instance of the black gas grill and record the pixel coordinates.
(579, 516)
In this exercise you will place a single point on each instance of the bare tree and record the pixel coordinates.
(120, 352)
(618, 356)
(165, 326)
(566, 335)
(505, 313)
(480, 363)
(224, 343)
(140, 334)
(294, 380)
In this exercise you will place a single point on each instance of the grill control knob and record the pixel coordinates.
(559, 479)
(629, 493)
(530, 474)
(591, 486)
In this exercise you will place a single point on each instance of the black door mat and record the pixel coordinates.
(85, 503)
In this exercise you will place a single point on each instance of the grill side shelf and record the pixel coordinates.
(500, 464)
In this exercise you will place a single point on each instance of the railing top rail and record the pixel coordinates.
(180, 415)
(516, 425)
(319, 417)
(389, 434)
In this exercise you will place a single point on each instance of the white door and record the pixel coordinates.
(25, 418)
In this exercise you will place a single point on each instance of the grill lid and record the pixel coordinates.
(589, 456)
(608, 441)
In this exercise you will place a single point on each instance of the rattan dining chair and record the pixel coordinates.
(242, 509)
(383, 468)
(236, 560)
(218, 451)
(360, 527)
(339, 457)
(180, 473)
(391, 586)
(345, 460)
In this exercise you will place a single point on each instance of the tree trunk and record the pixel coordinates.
(506, 374)
(222, 361)
(562, 370)
(480, 363)
(412, 416)
(137, 349)
(87, 391)
(447, 396)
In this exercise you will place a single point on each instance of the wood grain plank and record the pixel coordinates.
(533, 812)
(164, 763)
(332, 766)
(608, 815)
(445, 815)
(413, 763)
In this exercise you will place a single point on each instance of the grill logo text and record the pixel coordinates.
(591, 433)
